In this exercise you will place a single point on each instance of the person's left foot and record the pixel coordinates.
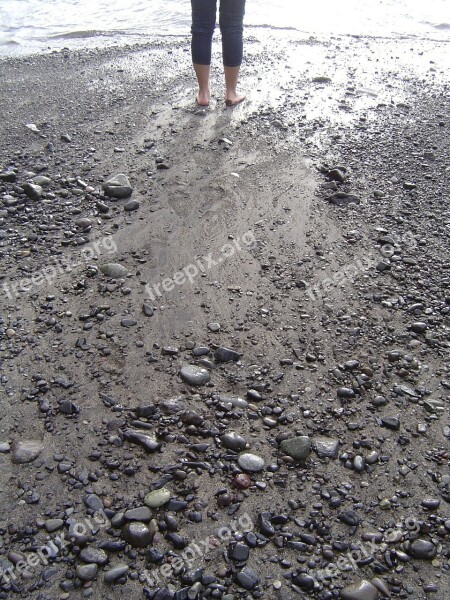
(233, 99)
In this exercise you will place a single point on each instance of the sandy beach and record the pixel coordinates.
(225, 332)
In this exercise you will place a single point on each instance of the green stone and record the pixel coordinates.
(157, 498)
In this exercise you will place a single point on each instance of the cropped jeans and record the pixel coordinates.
(231, 19)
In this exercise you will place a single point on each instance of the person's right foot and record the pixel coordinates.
(234, 98)
(203, 98)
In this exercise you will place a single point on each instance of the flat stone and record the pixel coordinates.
(141, 513)
(94, 555)
(392, 423)
(251, 462)
(128, 322)
(226, 354)
(194, 375)
(431, 503)
(342, 199)
(298, 447)
(113, 270)
(42, 180)
(94, 502)
(131, 205)
(361, 590)
(52, 525)
(118, 186)
(325, 447)
(117, 571)
(157, 498)
(422, 549)
(83, 223)
(345, 392)
(213, 327)
(26, 451)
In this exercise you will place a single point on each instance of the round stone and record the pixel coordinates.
(113, 270)
(52, 525)
(422, 549)
(157, 498)
(361, 590)
(139, 535)
(87, 572)
(194, 375)
(26, 451)
(233, 441)
(131, 205)
(251, 462)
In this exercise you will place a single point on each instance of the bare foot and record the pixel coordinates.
(233, 98)
(203, 98)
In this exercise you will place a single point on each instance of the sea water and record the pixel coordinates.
(29, 26)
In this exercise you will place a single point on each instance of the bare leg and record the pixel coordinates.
(204, 94)
(232, 97)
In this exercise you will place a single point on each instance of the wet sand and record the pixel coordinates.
(293, 249)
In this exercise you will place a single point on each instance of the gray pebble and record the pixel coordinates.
(117, 571)
(194, 375)
(251, 463)
(298, 447)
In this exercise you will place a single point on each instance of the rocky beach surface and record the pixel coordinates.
(225, 332)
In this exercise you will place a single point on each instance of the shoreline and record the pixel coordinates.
(299, 381)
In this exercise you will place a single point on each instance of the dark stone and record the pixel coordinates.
(304, 581)
(391, 423)
(349, 518)
(422, 549)
(238, 552)
(264, 524)
(247, 579)
(131, 205)
(226, 355)
(147, 442)
(142, 513)
(128, 322)
(342, 199)
(147, 309)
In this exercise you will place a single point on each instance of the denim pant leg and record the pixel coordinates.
(231, 26)
(203, 24)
